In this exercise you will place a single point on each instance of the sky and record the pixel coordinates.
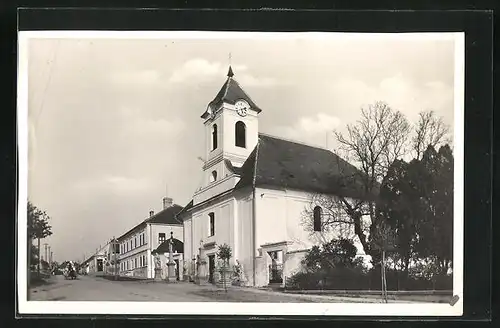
(114, 124)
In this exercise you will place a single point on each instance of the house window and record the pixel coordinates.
(317, 218)
(161, 237)
(214, 136)
(240, 134)
(211, 223)
(135, 263)
(213, 176)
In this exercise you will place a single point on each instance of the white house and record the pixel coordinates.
(254, 192)
(137, 244)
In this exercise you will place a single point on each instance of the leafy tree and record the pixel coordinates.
(38, 227)
(224, 253)
(398, 205)
(333, 254)
(436, 229)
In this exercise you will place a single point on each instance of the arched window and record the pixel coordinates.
(213, 176)
(240, 134)
(317, 218)
(214, 137)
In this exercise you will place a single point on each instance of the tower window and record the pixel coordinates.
(161, 237)
(213, 176)
(211, 217)
(240, 134)
(214, 137)
(317, 218)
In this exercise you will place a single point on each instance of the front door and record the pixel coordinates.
(99, 265)
(211, 268)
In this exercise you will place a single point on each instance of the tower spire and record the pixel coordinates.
(230, 72)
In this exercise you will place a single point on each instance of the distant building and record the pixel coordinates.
(137, 244)
(103, 261)
(163, 251)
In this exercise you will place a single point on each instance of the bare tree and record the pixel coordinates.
(372, 144)
(430, 130)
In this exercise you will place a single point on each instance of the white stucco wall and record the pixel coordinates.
(157, 228)
(244, 251)
(188, 240)
(224, 226)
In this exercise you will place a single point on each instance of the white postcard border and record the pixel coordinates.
(251, 309)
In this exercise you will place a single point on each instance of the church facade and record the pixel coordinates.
(254, 193)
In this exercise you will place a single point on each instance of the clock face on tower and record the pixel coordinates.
(241, 107)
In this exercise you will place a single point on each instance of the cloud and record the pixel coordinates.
(248, 80)
(318, 124)
(309, 129)
(201, 70)
(399, 91)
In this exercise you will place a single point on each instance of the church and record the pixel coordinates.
(254, 192)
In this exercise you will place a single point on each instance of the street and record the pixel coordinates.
(90, 288)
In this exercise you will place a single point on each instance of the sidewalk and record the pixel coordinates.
(316, 298)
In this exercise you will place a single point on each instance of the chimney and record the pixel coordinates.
(151, 213)
(167, 202)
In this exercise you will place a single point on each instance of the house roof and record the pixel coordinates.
(282, 163)
(166, 216)
(185, 209)
(230, 92)
(177, 247)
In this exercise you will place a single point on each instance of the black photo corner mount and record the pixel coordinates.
(478, 102)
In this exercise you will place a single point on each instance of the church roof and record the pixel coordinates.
(282, 163)
(230, 92)
(185, 208)
(177, 247)
(276, 162)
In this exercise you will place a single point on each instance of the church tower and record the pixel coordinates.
(231, 129)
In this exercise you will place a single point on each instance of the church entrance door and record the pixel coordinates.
(211, 268)
(100, 266)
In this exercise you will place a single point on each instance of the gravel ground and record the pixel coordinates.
(89, 288)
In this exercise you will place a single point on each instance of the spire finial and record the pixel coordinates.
(230, 72)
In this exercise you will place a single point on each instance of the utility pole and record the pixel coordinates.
(46, 245)
(50, 256)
